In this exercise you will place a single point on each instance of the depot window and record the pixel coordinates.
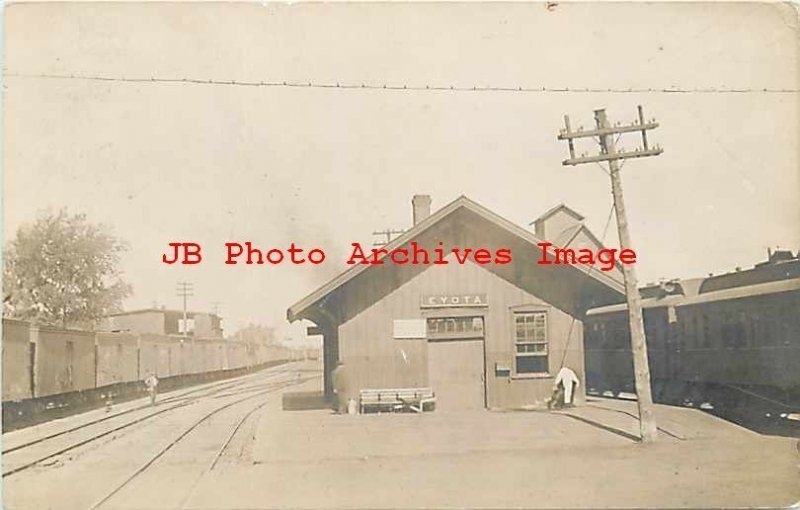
(530, 342)
(448, 328)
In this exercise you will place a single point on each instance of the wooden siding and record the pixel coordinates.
(61, 368)
(117, 358)
(16, 360)
(374, 359)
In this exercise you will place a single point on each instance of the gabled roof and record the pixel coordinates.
(582, 228)
(560, 207)
(611, 290)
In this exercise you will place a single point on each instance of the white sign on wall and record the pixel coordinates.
(186, 328)
(410, 328)
(454, 300)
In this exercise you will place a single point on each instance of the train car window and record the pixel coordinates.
(769, 327)
(733, 335)
(651, 331)
(602, 336)
(742, 321)
(595, 339)
(787, 314)
(753, 338)
(694, 331)
(621, 335)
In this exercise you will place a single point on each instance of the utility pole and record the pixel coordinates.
(185, 289)
(604, 134)
(388, 233)
(215, 310)
(215, 306)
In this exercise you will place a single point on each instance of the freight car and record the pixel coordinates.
(51, 372)
(43, 361)
(727, 342)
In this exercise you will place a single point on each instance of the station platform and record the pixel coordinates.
(201, 450)
(581, 457)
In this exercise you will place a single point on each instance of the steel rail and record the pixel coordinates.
(95, 437)
(95, 422)
(229, 439)
(39, 460)
(214, 387)
(180, 437)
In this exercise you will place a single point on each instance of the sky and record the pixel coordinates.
(324, 167)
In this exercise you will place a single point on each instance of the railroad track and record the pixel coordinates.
(187, 431)
(100, 420)
(240, 391)
(213, 387)
(181, 400)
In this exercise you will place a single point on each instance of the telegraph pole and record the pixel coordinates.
(215, 306)
(604, 134)
(185, 289)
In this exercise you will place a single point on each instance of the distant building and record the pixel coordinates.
(160, 321)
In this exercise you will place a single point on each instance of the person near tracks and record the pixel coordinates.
(340, 387)
(151, 382)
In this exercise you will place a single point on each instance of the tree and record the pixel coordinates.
(63, 270)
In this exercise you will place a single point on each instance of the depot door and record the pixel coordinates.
(456, 374)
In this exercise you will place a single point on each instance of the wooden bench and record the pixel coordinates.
(397, 399)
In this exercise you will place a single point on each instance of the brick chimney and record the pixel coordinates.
(422, 207)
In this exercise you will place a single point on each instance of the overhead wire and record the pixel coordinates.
(400, 87)
(588, 273)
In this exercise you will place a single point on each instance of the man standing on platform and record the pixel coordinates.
(340, 387)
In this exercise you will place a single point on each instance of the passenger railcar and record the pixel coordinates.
(729, 341)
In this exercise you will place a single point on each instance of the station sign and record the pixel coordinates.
(410, 328)
(454, 300)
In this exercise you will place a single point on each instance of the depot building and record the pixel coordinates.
(481, 336)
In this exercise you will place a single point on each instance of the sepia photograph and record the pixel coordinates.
(415, 255)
